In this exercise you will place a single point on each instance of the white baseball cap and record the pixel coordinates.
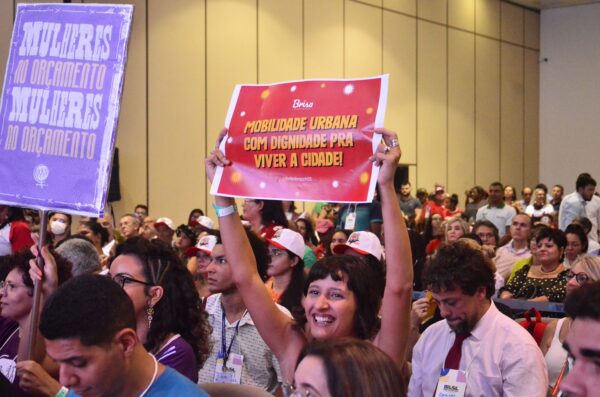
(288, 239)
(204, 221)
(363, 242)
(205, 244)
(165, 221)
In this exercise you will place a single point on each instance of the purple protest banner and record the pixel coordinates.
(60, 105)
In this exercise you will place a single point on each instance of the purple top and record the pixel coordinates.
(9, 347)
(179, 355)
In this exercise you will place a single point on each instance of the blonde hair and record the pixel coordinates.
(590, 265)
(463, 224)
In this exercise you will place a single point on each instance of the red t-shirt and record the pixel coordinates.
(20, 236)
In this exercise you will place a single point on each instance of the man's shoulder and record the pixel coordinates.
(172, 383)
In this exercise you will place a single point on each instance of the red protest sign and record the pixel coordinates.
(303, 140)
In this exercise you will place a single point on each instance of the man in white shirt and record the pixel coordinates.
(496, 211)
(582, 341)
(497, 357)
(517, 248)
(573, 205)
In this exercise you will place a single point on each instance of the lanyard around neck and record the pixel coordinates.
(224, 353)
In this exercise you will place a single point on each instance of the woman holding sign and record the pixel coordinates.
(339, 300)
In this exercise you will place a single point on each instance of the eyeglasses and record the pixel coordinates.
(123, 280)
(581, 278)
(10, 286)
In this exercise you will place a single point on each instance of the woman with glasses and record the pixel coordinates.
(286, 268)
(585, 270)
(170, 321)
(339, 298)
(16, 301)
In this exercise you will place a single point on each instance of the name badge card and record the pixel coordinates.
(452, 383)
(231, 372)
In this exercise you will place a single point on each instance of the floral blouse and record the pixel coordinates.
(523, 287)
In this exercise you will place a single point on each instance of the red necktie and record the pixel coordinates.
(455, 352)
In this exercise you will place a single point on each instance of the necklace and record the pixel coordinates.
(549, 271)
(153, 376)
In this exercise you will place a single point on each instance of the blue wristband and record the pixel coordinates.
(225, 211)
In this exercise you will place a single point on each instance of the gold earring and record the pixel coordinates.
(150, 314)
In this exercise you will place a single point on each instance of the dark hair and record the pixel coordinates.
(421, 192)
(179, 310)
(562, 189)
(272, 213)
(454, 199)
(90, 307)
(310, 231)
(20, 261)
(486, 223)
(97, 229)
(584, 302)
(584, 180)
(458, 265)
(142, 206)
(555, 235)
(578, 231)
(327, 242)
(192, 213)
(584, 222)
(514, 195)
(471, 236)
(497, 184)
(69, 217)
(355, 367)
(361, 279)
(259, 249)
(14, 214)
(190, 233)
(542, 186)
(292, 296)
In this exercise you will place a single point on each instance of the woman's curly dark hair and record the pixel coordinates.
(361, 281)
(179, 310)
(20, 261)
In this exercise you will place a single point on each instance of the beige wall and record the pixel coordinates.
(463, 84)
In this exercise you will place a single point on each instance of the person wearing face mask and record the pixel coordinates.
(15, 234)
(59, 227)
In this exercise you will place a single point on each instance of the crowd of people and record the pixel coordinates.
(309, 304)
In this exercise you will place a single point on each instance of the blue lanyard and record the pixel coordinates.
(224, 353)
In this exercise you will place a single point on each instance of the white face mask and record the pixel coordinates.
(58, 227)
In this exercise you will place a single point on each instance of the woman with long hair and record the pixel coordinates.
(170, 321)
(339, 299)
(265, 216)
(577, 244)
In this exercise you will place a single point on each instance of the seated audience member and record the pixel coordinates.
(239, 354)
(148, 230)
(165, 230)
(517, 248)
(202, 225)
(339, 298)
(15, 235)
(107, 223)
(16, 301)
(339, 237)
(526, 194)
(557, 194)
(499, 356)
(98, 235)
(585, 270)
(434, 233)
(89, 329)
(265, 216)
(533, 260)
(194, 215)
(539, 207)
(289, 209)
(129, 226)
(59, 228)
(582, 343)
(347, 367)
(577, 244)
(487, 233)
(476, 198)
(307, 231)
(586, 224)
(325, 230)
(510, 195)
(286, 268)
(455, 228)
(141, 211)
(82, 255)
(547, 281)
(186, 239)
(170, 323)
(496, 211)
(434, 205)
(451, 204)
(198, 266)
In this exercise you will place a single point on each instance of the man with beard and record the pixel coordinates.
(476, 347)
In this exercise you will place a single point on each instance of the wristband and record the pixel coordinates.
(225, 211)
(62, 392)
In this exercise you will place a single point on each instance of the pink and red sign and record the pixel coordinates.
(303, 140)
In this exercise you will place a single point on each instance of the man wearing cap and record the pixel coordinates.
(239, 354)
(198, 267)
(165, 229)
(435, 206)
